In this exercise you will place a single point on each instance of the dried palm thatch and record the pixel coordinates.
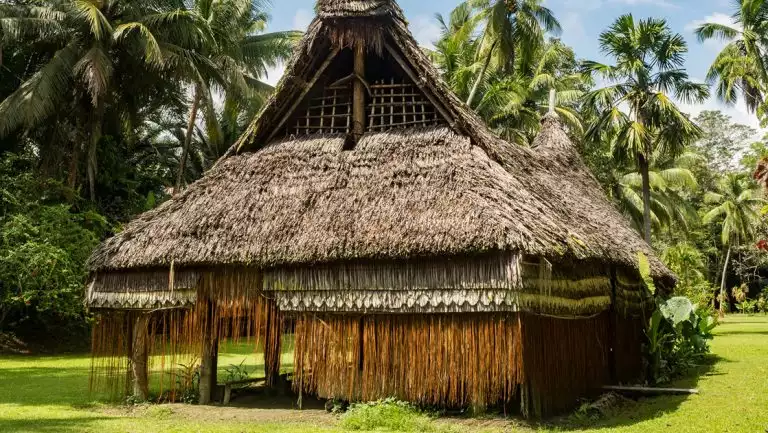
(398, 194)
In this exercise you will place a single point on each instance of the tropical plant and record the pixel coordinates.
(511, 103)
(105, 54)
(513, 32)
(747, 306)
(741, 68)
(237, 372)
(736, 205)
(689, 264)
(43, 249)
(677, 336)
(669, 180)
(236, 58)
(649, 67)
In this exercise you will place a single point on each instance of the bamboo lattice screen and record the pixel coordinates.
(398, 105)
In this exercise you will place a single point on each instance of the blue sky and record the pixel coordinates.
(582, 22)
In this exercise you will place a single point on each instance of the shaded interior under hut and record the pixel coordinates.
(415, 254)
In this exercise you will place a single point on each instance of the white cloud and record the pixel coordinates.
(274, 74)
(738, 112)
(660, 3)
(426, 30)
(302, 19)
(717, 18)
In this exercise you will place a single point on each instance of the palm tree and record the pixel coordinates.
(105, 52)
(513, 32)
(649, 66)
(741, 68)
(511, 104)
(670, 181)
(735, 205)
(240, 54)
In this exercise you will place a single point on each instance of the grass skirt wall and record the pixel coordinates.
(174, 341)
(454, 360)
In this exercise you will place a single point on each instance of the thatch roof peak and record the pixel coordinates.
(354, 8)
(552, 134)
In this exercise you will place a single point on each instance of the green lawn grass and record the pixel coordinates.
(50, 394)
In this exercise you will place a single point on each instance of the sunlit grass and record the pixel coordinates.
(50, 394)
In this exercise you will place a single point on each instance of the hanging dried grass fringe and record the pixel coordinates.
(448, 360)
(111, 343)
(175, 337)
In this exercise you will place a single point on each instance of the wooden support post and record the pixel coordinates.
(139, 354)
(208, 358)
(358, 97)
(272, 348)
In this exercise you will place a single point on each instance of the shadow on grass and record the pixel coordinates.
(742, 333)
(75, 424)
(635, 410)
(643, 408)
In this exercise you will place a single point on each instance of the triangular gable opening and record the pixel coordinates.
(390, 99)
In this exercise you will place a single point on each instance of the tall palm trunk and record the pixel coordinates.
(91, 160)
(643, 165)
(188, 139)
(481, 75)
(723, 293)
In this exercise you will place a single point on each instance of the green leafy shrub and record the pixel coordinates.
(747, 306)
(236, 372)
(678, 334)
(44, 245)
(762, 302)
(188, 382)
(387, 415)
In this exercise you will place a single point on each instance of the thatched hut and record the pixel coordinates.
(415, 253)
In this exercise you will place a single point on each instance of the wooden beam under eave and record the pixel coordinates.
(304, 92)
(358, 95)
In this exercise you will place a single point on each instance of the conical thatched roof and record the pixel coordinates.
(438, 191)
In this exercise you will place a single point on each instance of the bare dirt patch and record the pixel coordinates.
(246, 409)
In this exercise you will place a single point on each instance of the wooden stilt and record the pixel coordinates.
(129, 351)
(272, 347)
(207, 358)
(139, 354)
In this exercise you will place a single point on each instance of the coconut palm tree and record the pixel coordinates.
(510, 103)
(104, 53)
(736, 203)
(240, 53)
(670, 180)
(513, 105)
(513, 32)
(648, 70)
(741, 68)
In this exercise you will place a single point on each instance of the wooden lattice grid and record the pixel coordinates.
(398, 105)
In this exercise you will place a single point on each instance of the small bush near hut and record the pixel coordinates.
(387, 415)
